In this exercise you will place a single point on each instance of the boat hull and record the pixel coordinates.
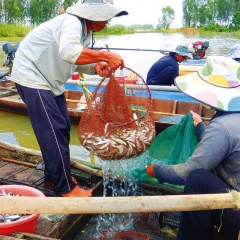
(169, 105)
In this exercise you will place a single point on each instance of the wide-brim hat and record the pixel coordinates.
(217, 84)
(96, 10)
(183, 51)
(235, 52)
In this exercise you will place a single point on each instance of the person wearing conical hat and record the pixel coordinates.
(214, 167)
(166, 69)
(235, 52)
(44, 61)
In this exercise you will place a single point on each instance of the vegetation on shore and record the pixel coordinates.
(18, 17)
(14, 30)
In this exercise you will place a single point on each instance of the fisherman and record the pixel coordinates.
(166, 69)
(235, 53)
(214, 167)
(44, 61)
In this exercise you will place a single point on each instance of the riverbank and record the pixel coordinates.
(13, 31)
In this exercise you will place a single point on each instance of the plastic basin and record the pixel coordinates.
(27, 224)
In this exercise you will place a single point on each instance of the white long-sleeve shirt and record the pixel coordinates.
(46, 57)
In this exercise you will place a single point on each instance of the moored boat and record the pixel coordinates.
(18, 167)
(169, 106)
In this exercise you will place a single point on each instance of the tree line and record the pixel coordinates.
(30, 12)
(200, 13)
(208, 14)
(196, 13)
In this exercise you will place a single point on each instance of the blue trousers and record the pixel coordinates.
(51, 124)
(199, 225)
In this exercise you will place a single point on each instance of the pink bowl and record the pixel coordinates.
(27, 224)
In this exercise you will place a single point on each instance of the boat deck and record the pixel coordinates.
(65, 226)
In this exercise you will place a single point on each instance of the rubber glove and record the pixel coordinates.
(149, 170)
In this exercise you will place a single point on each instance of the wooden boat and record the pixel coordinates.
(169, 106)
(18, 166)
(185, 68)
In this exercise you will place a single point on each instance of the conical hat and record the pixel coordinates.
(96, 10)
(217, 84)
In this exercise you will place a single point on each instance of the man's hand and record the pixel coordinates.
(196, 118)
(102, 69)
(114, 61)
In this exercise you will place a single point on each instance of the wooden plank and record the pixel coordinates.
(27, 177)
(45, 224)
(9, 170)
(9, 89)
(133, 204)
(159, 188)
(18, 162)
(46, 187)
(8, 238)
(2, 163)
(161, 106)
(20, 235)
(66, 222)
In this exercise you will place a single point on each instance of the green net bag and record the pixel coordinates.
(172, 146)
(175, 144)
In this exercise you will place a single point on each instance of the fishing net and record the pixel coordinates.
(118, 121)
(172, 146)
(175, 144)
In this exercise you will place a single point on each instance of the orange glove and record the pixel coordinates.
(149, 170)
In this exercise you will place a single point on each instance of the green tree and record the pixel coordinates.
(205, 12)
(190, 13)
(42, 10)
(224, 11)
(9, 7)
(236, 19)
(68, 3)
(168, 16)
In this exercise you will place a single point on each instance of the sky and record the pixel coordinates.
(147, 11)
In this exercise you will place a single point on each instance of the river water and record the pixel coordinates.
(141, 61)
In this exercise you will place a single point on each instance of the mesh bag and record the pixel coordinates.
(176, 143)
(118, 121)
(172, 146)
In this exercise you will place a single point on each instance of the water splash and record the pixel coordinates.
(122, 183)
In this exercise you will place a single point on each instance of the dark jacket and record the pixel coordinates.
(218, 151)
(164, 71)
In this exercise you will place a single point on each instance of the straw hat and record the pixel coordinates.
(217, 84)
(183, 51)
(96, 10)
